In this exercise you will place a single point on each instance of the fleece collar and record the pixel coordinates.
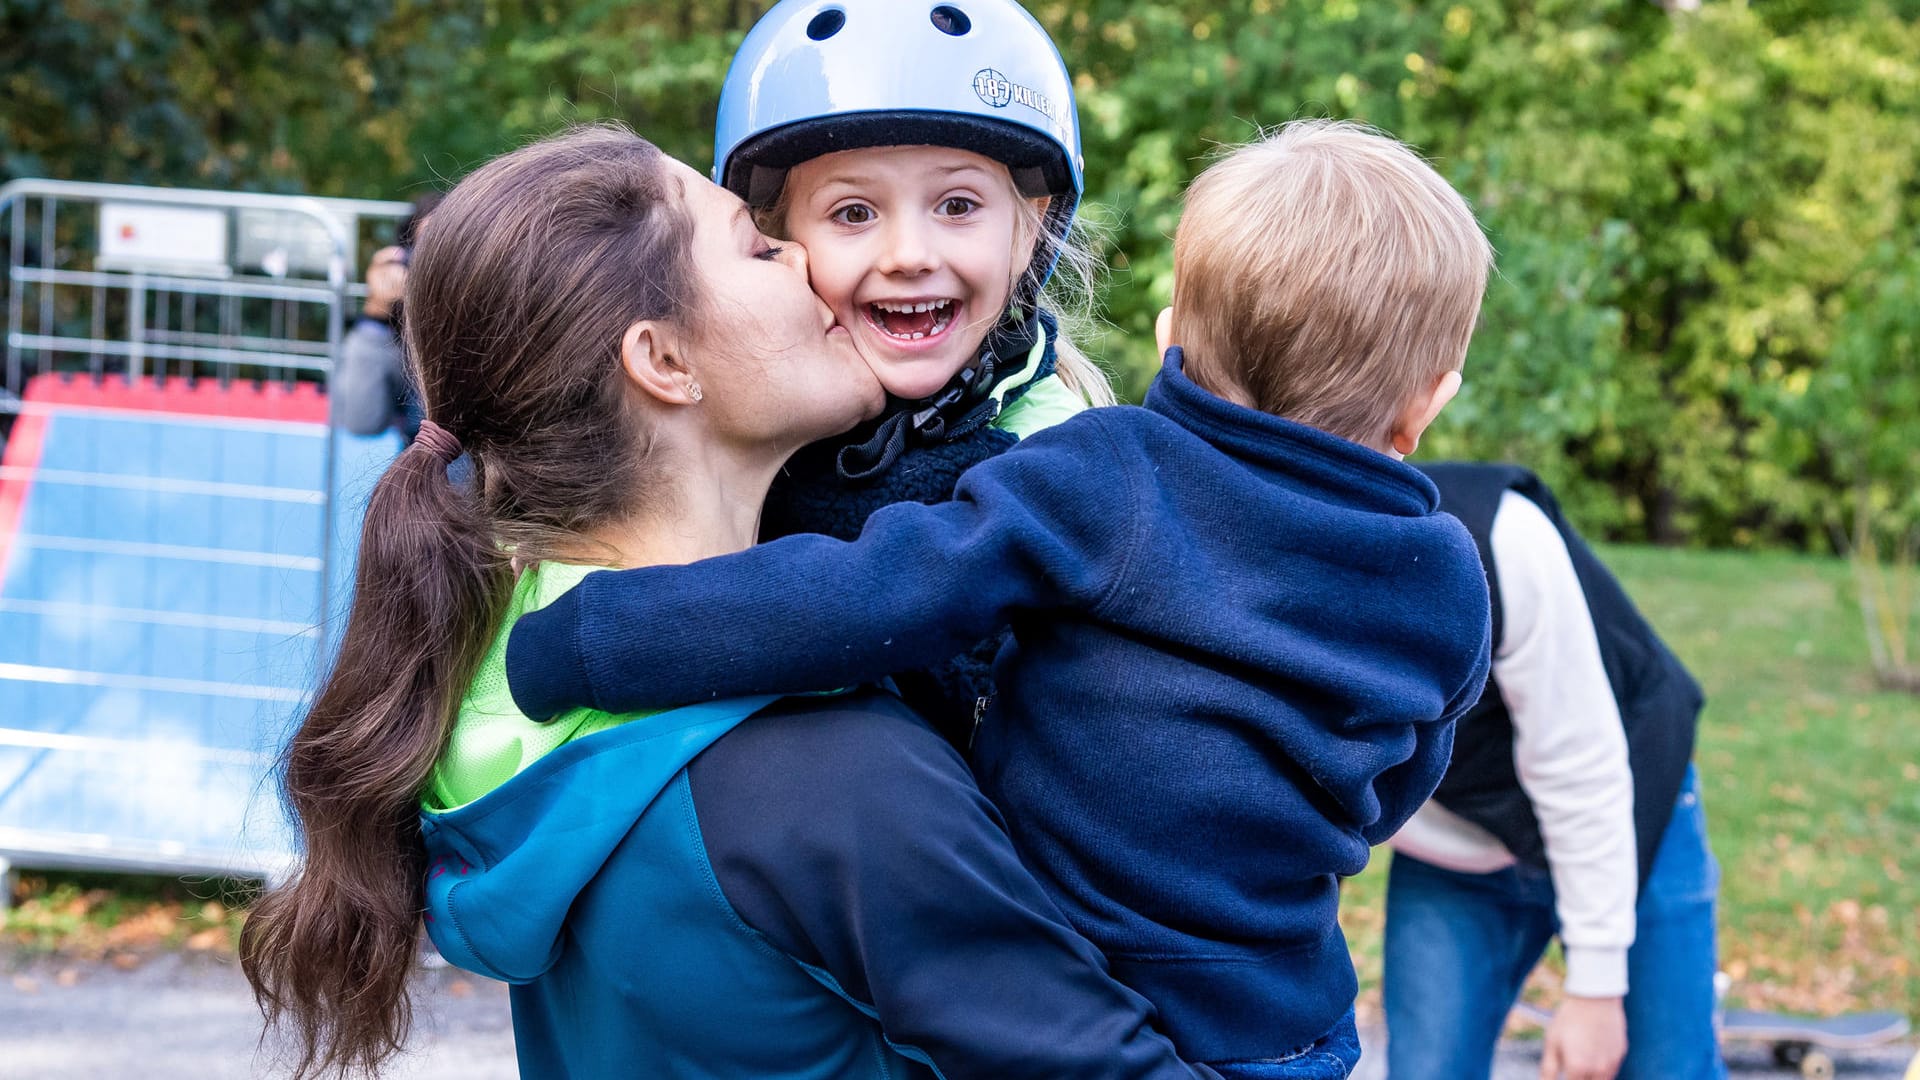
(1017, 354)
(1338, 470)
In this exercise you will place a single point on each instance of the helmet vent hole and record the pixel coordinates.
(826, 24)
(951, 20)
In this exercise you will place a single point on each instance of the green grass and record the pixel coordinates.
(1811, 778)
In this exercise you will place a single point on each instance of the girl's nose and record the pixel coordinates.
(907, 250)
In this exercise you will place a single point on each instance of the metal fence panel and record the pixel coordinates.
(176, 515)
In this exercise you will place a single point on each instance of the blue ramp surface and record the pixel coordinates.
(163, 574)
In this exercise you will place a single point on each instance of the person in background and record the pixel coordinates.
(1571, 809)
(371, 391)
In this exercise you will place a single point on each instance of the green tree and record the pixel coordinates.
(1685, 205)
(191, 92)
(1858, 413)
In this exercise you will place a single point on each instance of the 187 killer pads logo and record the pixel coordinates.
(998, 91)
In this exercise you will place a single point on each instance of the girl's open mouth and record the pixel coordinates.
(912, 320)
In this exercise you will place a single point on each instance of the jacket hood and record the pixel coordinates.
(519, 816)
(505, 869)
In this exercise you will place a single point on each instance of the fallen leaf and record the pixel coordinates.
(68, 977)
(460, 988)
(211, 938)
(26, 985)
(126, 961)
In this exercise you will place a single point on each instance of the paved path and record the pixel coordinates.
(188, 1016)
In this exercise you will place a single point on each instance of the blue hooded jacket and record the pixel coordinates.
(808, 889)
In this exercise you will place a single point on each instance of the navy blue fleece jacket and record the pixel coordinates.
(1239, 646)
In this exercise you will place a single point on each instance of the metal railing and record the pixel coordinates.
(257, 291)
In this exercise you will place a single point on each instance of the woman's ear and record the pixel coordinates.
(650, 356)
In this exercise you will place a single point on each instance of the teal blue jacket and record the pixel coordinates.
(816, 891)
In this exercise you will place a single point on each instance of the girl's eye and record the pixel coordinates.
(958, 207)
(770, 253)
(853, 215)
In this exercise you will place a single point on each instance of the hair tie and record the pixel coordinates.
(444, 445)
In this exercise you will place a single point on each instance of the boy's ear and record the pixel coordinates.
(1163, 330)
(650, 356)
(1420, 412)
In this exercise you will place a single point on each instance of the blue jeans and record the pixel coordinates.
(1459, 946)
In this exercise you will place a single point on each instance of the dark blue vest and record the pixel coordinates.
(1659, 701)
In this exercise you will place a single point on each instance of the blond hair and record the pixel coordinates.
(1326, 274)
(1070, 295)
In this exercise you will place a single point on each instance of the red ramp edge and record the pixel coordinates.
(295, 403)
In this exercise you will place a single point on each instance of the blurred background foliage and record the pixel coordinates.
(1704, 326)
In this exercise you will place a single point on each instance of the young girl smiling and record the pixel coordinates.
(915, 249)
(929, 161)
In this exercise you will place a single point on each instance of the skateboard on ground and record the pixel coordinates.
(1798, 1042)
(1801, 1042)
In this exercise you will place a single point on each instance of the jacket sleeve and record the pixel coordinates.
(854, 840)
(1405, 787)
(1569, 746)
(364, 392)
(1051, 523)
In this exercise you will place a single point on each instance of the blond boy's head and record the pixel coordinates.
(1328, 275)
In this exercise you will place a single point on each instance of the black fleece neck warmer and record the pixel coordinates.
(963, 406)
(915, 451)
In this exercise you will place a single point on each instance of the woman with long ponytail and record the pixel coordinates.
(333, 951)
(809, 887)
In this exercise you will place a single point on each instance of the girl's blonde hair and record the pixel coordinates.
(1071, 295)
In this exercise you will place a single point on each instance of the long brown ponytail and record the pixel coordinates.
(522, 286)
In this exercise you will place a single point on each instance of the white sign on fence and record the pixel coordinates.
(178, 238)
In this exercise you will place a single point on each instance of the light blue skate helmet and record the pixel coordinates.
(818, 76)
